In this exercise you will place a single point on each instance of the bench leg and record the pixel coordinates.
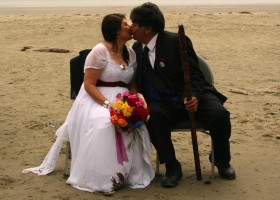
(157, 165)
(212, 161)
(67, 159)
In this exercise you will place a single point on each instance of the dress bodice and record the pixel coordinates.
(99, 58)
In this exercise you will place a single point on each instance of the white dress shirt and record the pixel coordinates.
(152, 49)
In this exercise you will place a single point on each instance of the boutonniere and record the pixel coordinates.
(162, 62)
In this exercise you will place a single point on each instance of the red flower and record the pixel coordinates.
(132, 101)
(140, 113)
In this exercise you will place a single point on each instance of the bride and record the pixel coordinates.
(109, 70)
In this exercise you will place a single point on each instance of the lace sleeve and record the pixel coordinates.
(97, 58)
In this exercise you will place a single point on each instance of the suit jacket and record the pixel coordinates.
(168, 68)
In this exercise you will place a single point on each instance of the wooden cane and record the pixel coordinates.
(185, 64)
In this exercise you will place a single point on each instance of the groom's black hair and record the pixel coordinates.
(148, 14)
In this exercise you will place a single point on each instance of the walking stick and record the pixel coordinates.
(185, 64)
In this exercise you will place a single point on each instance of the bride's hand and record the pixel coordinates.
(142, 97)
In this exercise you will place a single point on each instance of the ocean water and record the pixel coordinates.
(85, 3)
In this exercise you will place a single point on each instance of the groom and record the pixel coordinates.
(160, 79)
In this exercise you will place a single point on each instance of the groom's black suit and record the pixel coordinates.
(163, 89)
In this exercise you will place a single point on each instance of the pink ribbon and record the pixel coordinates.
(121, 151)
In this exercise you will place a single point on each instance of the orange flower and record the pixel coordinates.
(122, 122)
(114, 119)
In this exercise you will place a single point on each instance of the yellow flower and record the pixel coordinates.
(126, 110)
(117, 105)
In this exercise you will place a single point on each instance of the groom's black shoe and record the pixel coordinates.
(173, 175)
(226, 171)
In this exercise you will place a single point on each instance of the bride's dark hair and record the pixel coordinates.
(111, 24)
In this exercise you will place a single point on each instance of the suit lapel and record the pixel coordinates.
(160, 49)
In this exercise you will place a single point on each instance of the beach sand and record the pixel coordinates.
(241, 44)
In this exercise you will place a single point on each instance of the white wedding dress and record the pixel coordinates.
(92, 135)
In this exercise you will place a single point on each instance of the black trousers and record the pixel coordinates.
(212, 115)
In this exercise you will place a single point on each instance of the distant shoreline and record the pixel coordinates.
(104, 3)
(192, 9)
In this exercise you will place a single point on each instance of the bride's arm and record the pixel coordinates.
(90, 79)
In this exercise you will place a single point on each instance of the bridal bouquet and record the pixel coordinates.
(129, 111)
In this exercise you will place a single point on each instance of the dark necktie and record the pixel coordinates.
(146, 60)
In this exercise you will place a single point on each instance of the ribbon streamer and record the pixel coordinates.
(121, 151)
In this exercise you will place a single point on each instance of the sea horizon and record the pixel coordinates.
(54, 7)
(101, 3)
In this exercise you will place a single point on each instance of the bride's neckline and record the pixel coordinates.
(121, 64)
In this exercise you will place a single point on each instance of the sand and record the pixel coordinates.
(241, 44)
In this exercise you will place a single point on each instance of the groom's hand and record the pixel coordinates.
(191, 105)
